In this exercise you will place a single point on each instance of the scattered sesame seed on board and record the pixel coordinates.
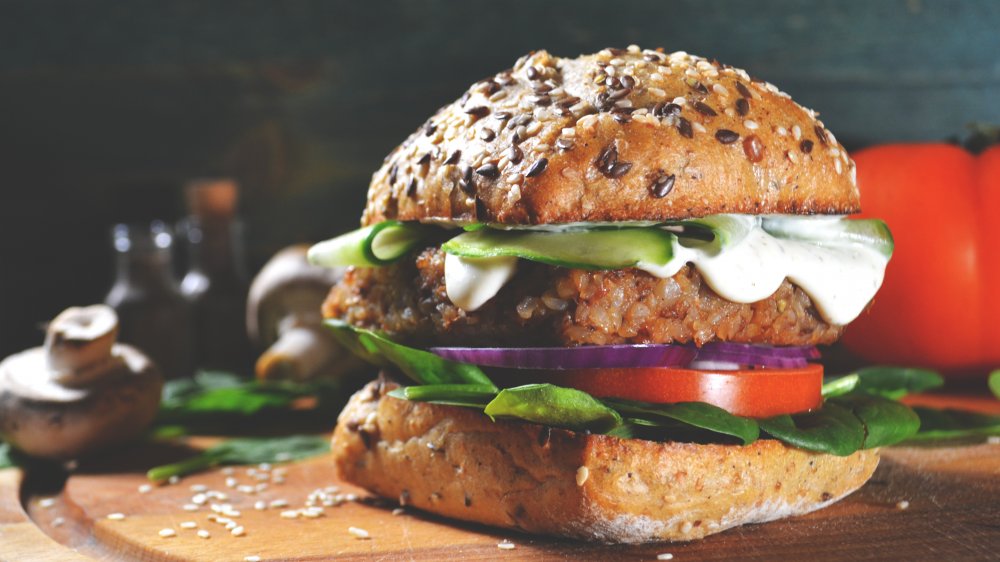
(238, 531)
(902, 505)
(145, 488)
(47, 502)
(174, 480)
(582, 474)
(188, 525)
(359, 533)
(398, 511)
(506, 545)
(58, 521)
(116, 516)
(251, 559)
(665, 556)
(190, 507)
(167, 533)
(204, 534)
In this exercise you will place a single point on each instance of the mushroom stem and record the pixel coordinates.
(300, 353)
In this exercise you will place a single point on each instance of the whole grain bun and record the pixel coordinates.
(624, 134)
(458, 463)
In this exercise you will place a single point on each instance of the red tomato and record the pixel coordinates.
(940, 301)
(755, 393)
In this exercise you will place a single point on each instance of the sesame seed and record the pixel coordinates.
(704, 109)
(231, 482)
(564, 144)
(820, 134)
(742, 106)
(743, 90)
(686, 527)
(116, 516)
(792, 156)
(720, 89)
(753, 148)
(251, 559)
(204, 534)
(782, 131)
(47, 503)
(662, 186)
(684, 127)
(190, 507)
(488, 170)
(582, 474)
(167, 533)
(398, 511)
(796, 132)
(238, 531)
(188, 525)
(679, 100)
(537, 168)
(358, 533)
(198, 488)
(902, 505)
(290, 514)
(479, 111)
(657, 92)
(725, 136)
(486, 135)
(173, 480)
(838, 167)
(667, 555)
(752, 125)
(145, 488)
(506, 545)
(58, 522)
(699, 128)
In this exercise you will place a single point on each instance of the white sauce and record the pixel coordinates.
(471, 282)
(840, 279)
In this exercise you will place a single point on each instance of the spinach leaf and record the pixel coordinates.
(834, 429)
(995, 383)
(553, 405)
(469, 395)
(840, 385)
(948, 424)
(246, 450)
(896, 382)
(886, 422)
(421, 366)
(697, 414)
(6, 456)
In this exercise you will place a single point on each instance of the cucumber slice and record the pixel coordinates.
(582, 249)
(832, 232)
(378, 244)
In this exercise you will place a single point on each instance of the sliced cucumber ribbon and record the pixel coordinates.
(378, 244)
(598, 246)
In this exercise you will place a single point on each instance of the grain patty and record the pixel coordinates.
(548, 305)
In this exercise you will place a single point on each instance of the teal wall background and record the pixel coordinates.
(106, 108)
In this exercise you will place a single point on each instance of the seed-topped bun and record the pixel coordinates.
(615, 136)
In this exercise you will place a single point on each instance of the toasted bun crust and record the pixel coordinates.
(615, 136)
(457, 463)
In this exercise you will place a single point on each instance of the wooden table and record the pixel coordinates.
(953, 514)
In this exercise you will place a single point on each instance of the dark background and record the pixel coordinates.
(107, 108)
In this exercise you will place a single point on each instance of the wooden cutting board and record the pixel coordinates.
(953, 514)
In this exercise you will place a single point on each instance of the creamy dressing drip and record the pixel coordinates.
(840, 279)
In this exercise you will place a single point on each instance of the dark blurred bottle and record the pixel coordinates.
(153, 315)
(216, 282)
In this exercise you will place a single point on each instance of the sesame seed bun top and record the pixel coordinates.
(623, 134)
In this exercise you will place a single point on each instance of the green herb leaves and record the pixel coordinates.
(246, 450)
(553, 405)
(421, 366)
(994, 383)
(695, 414)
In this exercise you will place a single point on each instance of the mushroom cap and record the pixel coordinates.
(43, 418)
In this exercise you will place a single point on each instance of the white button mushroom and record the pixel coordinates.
(80, 392)
(283, 311)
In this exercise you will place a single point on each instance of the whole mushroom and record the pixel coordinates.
(283, 312)
(79, 393)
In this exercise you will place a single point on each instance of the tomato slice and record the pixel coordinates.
(754, 393)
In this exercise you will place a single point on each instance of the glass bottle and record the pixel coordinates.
(152, 313)
(216, 281)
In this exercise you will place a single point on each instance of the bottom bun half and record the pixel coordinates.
(458, 463)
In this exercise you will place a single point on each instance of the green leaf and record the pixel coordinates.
(994, 383)
(246, 450)
(840, 385)
(896, 382)
(696, 414)
(378, 244)
(886, 422)
(834, 429)
(421, 366)
(948, 424)
(555, 406)
(6, 459)
(469, 395)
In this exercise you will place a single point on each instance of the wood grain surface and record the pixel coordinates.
(953, 514)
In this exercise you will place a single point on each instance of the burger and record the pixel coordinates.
(594, 287)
